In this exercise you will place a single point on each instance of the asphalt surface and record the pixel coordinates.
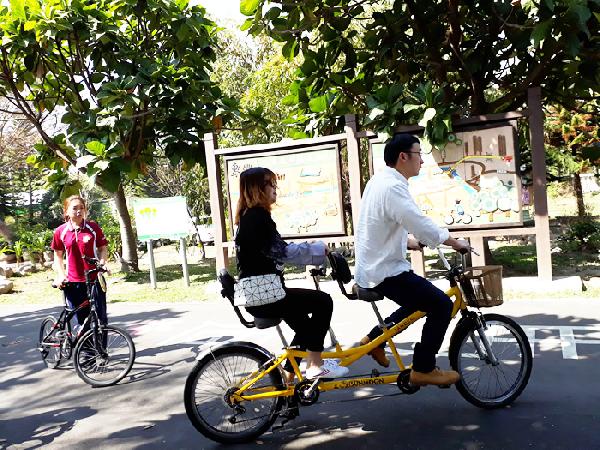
(54, 409)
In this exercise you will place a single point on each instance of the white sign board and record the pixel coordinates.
(157, 218)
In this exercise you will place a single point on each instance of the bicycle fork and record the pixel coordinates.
(485, 353)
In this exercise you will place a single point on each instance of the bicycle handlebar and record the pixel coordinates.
(97, 268)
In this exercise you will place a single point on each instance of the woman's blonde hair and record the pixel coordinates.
(252, 190)
(67, 203)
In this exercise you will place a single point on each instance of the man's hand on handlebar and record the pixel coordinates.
(459, 245)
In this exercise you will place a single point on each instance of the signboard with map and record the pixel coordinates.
(472, 183)
(309, 194)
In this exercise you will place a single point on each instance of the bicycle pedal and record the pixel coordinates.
(444, 386)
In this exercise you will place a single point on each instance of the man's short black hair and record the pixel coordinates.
(401, 142)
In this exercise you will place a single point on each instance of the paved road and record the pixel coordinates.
(54, 409)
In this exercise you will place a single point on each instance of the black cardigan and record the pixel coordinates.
(259, 246)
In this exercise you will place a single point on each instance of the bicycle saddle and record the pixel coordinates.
(365, 294)
(340, 271)
(266, 322)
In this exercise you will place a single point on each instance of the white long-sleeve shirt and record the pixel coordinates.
(388, 213)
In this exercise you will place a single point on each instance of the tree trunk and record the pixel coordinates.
(578, 195)
(128, 241)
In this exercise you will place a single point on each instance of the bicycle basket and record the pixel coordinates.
(482, 286)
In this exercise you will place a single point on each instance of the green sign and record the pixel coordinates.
(165, 218)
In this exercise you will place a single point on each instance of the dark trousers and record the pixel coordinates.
(415, 293)
(76, 294)
(294, 309)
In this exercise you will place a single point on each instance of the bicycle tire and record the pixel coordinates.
(216, 373)
(98, 365)
(512, 373)
(50, 355)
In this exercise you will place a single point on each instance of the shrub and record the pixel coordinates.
(581, 235)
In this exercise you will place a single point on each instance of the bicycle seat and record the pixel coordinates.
(366, 294)
(266, 322)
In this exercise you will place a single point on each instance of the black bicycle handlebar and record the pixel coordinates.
(97, 268)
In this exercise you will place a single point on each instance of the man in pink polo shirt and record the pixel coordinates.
(79, 237)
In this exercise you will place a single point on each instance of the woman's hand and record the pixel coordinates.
(102, 263)
(59, 281)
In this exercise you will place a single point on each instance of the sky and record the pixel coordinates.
(228, 10)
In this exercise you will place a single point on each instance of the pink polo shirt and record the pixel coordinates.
(77, 242)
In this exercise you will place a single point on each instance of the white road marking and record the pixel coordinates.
(566, 340)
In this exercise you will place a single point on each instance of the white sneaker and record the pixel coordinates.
(329, 369)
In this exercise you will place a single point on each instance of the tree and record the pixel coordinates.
(253, 72)
(402, 62)
(573, 136)
(131, 76)
(17, 137)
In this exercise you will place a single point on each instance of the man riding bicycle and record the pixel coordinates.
(388, 213)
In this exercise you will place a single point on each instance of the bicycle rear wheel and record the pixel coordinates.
(483, 384)
(104, 357)
(206, 394)
(50, 343)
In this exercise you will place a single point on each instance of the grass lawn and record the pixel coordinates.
(36, 288)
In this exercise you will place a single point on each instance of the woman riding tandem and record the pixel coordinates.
(261, 251)
(79, 237)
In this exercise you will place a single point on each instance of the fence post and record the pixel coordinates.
(540, 201)
(353, 147)
(213, 169)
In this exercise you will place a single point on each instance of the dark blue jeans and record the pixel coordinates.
(415, 293)
(76, 294)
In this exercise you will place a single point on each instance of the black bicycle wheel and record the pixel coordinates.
(104, 357)
(483, 384)
(50, 342)
(221, 371)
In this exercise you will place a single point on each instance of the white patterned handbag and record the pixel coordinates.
(258, 290)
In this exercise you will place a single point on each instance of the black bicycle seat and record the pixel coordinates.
(366, 294)
(340, 271)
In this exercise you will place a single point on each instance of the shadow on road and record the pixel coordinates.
(38, 430)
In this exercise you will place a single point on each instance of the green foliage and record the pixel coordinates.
(131, 76)
(254, 72)
(110, 226)
(370, 57)
(581, 235)
(573, 137)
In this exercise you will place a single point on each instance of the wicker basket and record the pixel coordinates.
(482, 286)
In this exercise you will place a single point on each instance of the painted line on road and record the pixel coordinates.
(566, 340)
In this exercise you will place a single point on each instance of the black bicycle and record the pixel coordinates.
(103, 354)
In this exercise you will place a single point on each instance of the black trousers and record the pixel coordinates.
(415, 293)
(76, 294)
(294, 309)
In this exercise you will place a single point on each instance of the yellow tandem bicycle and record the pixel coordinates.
(235, 392)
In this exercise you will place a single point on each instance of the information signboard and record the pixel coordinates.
(472, 183)
(161, 218)
(309, 194)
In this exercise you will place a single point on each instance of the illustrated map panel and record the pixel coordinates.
(471, 183)
(308, 190)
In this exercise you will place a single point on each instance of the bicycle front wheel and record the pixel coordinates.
(484, 383)
(105, 356)
(207, 391)
(50, 343)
